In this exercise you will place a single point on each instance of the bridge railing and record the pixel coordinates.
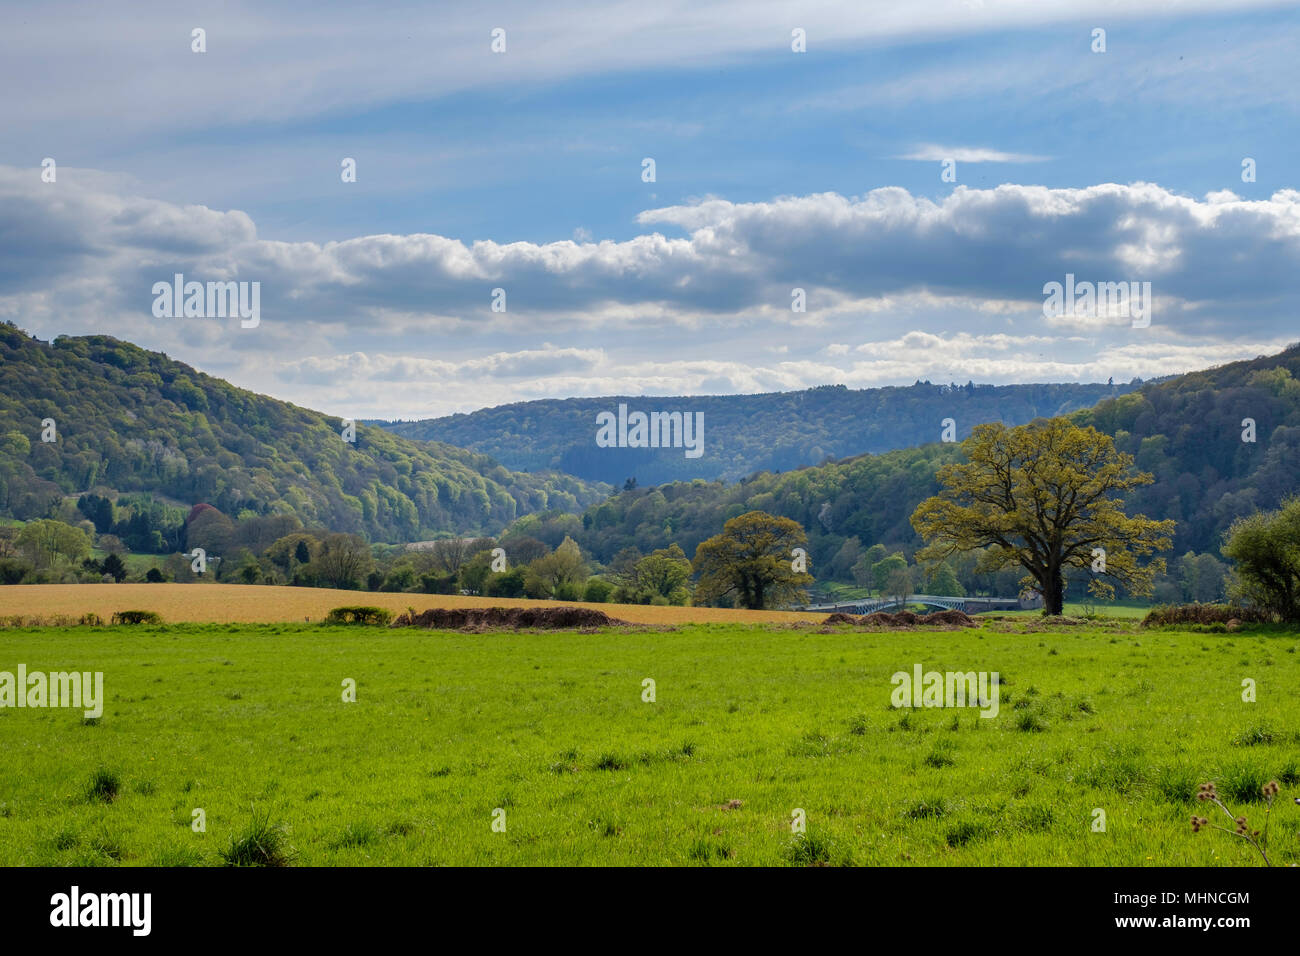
(969, 605)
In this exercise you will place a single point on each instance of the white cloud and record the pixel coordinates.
(899, 287)
(117, 76)
(969, 154)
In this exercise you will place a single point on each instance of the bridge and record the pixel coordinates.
(970, 605)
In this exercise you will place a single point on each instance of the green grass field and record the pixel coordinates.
(748, 725)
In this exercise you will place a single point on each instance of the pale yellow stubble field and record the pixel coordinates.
(239, 603)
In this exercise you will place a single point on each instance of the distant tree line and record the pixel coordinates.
(745, 434)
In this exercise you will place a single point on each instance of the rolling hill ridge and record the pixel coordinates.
(1187, 431)
(745, 434)
(130, 421)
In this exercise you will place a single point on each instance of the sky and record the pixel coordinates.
(919, 172)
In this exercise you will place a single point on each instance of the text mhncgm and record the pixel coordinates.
(1146, 899)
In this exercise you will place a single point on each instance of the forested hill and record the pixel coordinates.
(744, 434)
(127, 420)
(1187, 431)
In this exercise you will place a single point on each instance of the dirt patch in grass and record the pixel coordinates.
(509, 618)
(904, 619)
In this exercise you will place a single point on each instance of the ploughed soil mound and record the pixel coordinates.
(512, 618)
(904, 619)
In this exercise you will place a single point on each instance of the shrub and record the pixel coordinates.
(506, 584)
(438, 583)
(154, 576)
(400, 578)
(359, 615)
(597, 591)
(567, 591)
(1208, 614)
(112, 566)
(1266, 549)
(136, 617)
(12, 571)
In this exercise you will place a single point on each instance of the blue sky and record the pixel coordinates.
(522, 170)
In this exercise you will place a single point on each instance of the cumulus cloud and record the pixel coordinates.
(1001, 244)
(897, 286)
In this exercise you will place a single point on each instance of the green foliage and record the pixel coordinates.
(884, 568)
(1266, 547)
(434, 583)
(1205, 477)
(559, 574)
(662, 577)
(1046, 497)
(860, 498)
(943, 581)
(745, 434)
(751, 563)
(113, 566)
(136, 421)
(359, 614)
(343, 561)
(506, 584)
(136, 617)
(48, 544)
(1187, 432)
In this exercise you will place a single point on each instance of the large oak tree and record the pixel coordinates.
(1045, 496)
(751, 562)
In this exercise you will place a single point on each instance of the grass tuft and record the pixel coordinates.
(103, 786)
(262, 843)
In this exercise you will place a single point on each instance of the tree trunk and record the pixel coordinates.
(1054, 592)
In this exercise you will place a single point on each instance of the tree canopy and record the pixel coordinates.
(128, 420)
(1045, 496)
(1266, 547)
(752, 563)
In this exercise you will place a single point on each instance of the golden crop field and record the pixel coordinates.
(241, 603)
